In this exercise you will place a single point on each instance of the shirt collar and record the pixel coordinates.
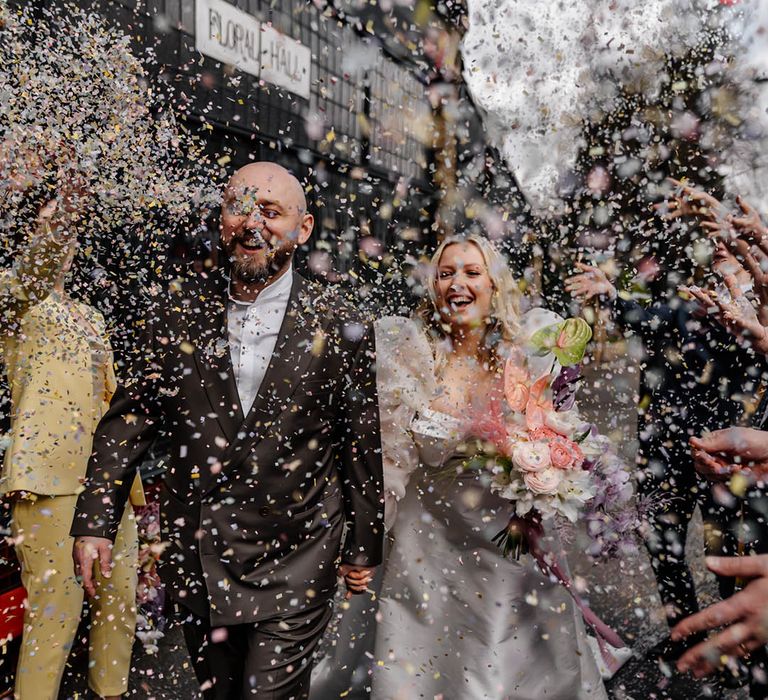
(278, 290)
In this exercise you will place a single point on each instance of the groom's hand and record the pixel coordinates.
(357, 578)
(86, 552)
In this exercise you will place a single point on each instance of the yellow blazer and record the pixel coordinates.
(54, 367)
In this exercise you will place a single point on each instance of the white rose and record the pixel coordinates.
(594, 446)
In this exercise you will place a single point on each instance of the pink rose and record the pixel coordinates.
(565, 454)
(544, 482)
(531, 456)
(542, 434)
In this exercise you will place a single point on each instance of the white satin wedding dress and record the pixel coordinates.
(455, 619)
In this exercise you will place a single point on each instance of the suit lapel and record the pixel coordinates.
(290, 361)
(290, 358)
(209, 335)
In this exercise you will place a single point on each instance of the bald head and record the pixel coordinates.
(270, 180)
(263, 219)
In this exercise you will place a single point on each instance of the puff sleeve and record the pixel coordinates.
(405, 382)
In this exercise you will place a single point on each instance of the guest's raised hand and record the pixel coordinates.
(747, 239)
(749, 444)
(70, 202)
(689, 201)
(744, 617)
(721, 453)
(51, 168)
(750, 226)
(713, 468)
(705, 297)
(753, 257)
(734, 312)
(590, 282)
(740, 318)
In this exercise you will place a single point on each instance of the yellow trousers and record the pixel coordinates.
(55, 600)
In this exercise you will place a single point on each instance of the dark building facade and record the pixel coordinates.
(357, 125)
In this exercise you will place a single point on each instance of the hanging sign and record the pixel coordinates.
(232, 36)
(285, 62)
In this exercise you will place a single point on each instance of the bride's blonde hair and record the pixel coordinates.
(503, 321)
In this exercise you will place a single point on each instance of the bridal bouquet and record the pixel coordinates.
(545, 458)
(548, 461)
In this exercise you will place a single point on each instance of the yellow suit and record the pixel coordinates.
(61, 380)
(59, 387)
(59, 368)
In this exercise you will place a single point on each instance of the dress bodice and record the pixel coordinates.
(436, 435)
(412, 434)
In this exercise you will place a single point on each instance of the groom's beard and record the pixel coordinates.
(251, 270)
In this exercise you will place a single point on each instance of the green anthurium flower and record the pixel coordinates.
(544, 340)
(566, 340)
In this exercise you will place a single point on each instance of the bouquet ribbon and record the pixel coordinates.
(604, 634)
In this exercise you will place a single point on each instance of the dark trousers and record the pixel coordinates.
(269, 660)
(732, 526)
(673, 489)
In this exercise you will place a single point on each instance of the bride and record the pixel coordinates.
(456, 619)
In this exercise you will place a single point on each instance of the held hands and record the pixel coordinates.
(591, 282)
(722, 453)
(357, 578)
(744, 617)
(87, 553)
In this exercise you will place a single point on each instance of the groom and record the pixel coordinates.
(265, 384)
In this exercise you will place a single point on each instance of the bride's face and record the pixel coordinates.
(464, 287)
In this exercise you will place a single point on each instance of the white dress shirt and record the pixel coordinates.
(253, 328)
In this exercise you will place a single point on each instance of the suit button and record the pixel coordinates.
(264, 511)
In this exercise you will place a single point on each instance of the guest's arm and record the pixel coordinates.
(744, 617)
(734, 313)
(688, 201)
(720, 454)
(34, 272)
(592, 282)
(751, 249)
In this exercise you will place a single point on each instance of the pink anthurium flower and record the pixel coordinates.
(516, 381)
(539, 404)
